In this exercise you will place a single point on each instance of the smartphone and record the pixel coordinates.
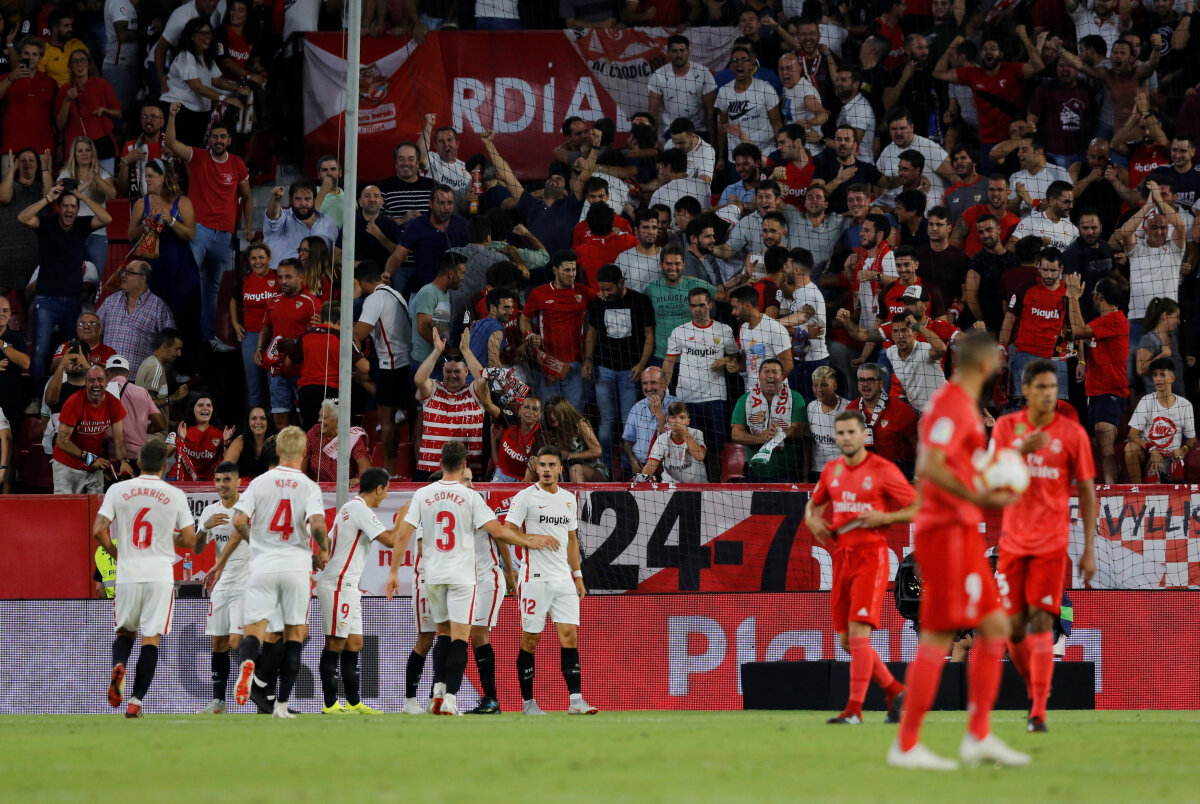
(69, 185)
(25, 63)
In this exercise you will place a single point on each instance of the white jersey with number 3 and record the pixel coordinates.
(279, 504)
(536, 511)
(145, 513)
(447, 514)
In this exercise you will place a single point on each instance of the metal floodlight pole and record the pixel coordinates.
(349, 229)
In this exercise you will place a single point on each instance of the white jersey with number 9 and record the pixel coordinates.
(447, 514)
(279, 504)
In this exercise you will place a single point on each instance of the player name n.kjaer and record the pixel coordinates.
(552, 520)
(284, 483)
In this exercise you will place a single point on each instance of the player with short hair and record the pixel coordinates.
(546, 581)
(427, 630)
(959, 591)
(225, 621)
(449, 514)
(1035, 531)
(868, 494)
(290, 509)
(151, 518)
(354, 528)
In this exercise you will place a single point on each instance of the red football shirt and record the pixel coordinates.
(289, 317)
(213, 188)
(594, 251)
(560, 322)
(797, 180)
(891, 302)
(1040, 314)
(204, 450)
(889, 433)
(1008, 84)
(972, 245)
(620, 224)
(952, 424)
(1039, 523)
(257, 292)
(874, 485)
(1144, 160)
(30, 101)
(99, 355)
(1108, 351)
(321, 363)
(82, 120)
(515, 448)
(90, 423)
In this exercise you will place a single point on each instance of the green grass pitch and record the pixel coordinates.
(613, 757)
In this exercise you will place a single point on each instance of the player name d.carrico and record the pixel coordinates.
(143, 491)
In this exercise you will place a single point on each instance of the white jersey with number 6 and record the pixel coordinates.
(535, 510)
(279, 504)
(145, 513)
(447, 514)
(354, 528)
(237, 568)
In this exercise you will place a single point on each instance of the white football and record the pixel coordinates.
(1006, 470)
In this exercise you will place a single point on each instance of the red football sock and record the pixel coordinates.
(1019, 651)
(883, 677)
(983, 682)
(1041, 669)
(924, 675)
(861, 654)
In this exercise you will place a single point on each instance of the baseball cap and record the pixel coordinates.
(117, 362)
(915, 293)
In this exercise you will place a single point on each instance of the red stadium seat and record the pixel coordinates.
(370, 423)
(33, 465)
(733, 461)
(378, 455)
(404, 459)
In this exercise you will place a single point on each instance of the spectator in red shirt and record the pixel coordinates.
(89, 330)
(199, 442)
(1039, 313)
(966, 235)
(999, 86)
(319, 359)
(248, 310)
(86, 106)
(287, 317)
(519, 443)
(559, 308)
(321, 447)
(78, 463)
(1106, 380)
(28, 97)
(891, 422)
(600, 243)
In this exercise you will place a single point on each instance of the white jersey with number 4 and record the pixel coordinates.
(279, 504)
(145, 513)
(237, 568)
(536, 511)
(354, 528)
(448, 514)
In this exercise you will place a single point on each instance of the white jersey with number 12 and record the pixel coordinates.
(535, 510)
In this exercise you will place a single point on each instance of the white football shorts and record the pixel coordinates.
(451, 602)
(225, 612)
(489, 592)
(341, 609)
(287, 593)
(144, 606)
(558, 598)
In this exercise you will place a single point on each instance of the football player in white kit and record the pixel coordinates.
(449, 514)
(277, 513)
(354, 528)
(551, 580)
(151, 519)
(426, 630)
(224, 624)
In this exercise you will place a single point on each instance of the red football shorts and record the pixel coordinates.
(860, 579)
(957, 589)
(1025, 581)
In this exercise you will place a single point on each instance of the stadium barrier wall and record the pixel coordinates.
(638, 651)
(659, 539)
(520, 84)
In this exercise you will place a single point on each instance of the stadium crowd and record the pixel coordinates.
(807, 231)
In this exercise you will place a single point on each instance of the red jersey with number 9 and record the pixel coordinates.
(874, 485)
(1039, 523)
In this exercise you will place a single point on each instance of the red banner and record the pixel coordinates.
(520, 84)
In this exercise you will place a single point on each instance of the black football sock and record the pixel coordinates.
(289, 670)
(441, 647)
(485, 661)
(525, 662)
(412, 674)
(329, 663)
(571, 671)
(220, 673)
(146, 663)
(267, 671)
(121, 648)
(456, 665)
(248, 650)
(350, 677)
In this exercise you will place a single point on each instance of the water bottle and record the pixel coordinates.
(187, 566)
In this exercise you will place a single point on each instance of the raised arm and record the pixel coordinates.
(173, 144)
(942, 70)
(1034, 64)
(504, 173)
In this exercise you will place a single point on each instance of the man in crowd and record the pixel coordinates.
(891, 422)
(966, 234)
(133, 317)
(552, 217)
(936, 168)
(384, 317)
(769, 421)
(149, 145)
(639, 264)
(1039, 313)
(759, 338)
(981, 288)
(79, 464)
(424, 240)
(442, 163)
(283, 229)
(647, 418)
(375, 233)
(841, 166)
(142, 415)
(560, 308)
(1051, 221)
(288, 316)
(682, 89)
(406, 194)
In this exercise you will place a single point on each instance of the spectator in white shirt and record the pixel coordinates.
(803, 313)
(937, 169)
(856, 110)
(679, 452)
(1052, 221)
(701, 157)
(759, 337)
(1162, 429)
(673, 172)
(1030, 183)
(917, 364)
(682, 88)
(639, 265)
(822, 410)
(442, 163)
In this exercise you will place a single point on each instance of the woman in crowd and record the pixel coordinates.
(1162, 318)
(571, 432)
(321, 449)
(247, 311)
(194, 81)
(166, 216)
(92, 180)
(200, 443)
(25, 181)
(318, 273)
(253, 449)
(86, 106)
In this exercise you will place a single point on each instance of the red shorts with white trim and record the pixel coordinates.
(958, 589)
(1025, 580)
(489, 592)
(860, 579)
(144, 607)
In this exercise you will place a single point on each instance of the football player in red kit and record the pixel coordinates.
(958, 589)
(867, 495)
(1035, 530)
